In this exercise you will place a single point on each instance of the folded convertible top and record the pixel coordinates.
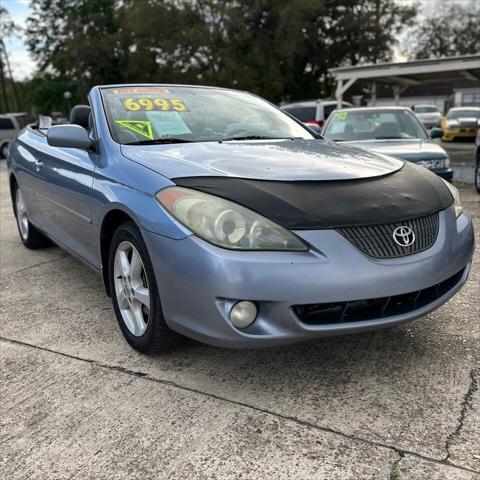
(408, 193)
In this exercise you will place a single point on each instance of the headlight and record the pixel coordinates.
(456, 197)
(224, 223)
(434, 164)
(453, 123)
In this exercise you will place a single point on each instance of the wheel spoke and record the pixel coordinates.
(122, 300)
(20, 206)
(123, 263)
(129, 319)
(136, 266)
(137, 317)
(22, 218)
(142, 295)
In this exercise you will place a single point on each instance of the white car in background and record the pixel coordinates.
(429, 115)
(312, 113)
(10, 126)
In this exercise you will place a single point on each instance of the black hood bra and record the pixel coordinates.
(405, 194)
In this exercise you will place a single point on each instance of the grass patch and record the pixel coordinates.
(394, 471)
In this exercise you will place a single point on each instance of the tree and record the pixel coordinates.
(7, 26)
(44, 94)
(76, 39)
(453, 29)
(7, 29)
(276, 48)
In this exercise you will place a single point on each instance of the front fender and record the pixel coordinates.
(135, 198)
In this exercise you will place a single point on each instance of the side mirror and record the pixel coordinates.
(72, 136)
(436, 133)
(314, 127)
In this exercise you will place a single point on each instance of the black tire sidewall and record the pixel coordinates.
(130, 233)
(475, 173)
(4, 150)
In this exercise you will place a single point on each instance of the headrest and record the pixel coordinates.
(79, 115)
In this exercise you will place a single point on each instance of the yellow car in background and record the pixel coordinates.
(462, 122)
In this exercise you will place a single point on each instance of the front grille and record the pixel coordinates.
(374, 308)
(377, 240)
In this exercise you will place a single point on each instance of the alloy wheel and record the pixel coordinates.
(131, 288)
(21, 211)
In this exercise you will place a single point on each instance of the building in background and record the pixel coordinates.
(446, 82)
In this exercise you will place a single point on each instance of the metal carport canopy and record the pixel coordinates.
(401, 75)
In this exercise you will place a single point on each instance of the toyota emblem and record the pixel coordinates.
(404, 236)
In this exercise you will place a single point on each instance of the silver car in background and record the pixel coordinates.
(429, 115)
(393, 131)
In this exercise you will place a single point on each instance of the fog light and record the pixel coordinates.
(243, 314)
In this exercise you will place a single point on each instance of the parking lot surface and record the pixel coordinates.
(462, 158)
(78, 402)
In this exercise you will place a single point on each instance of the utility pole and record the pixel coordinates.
(9, 69)
(4, 85)
(377, 31)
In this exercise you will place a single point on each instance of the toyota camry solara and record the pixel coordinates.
(212, 214)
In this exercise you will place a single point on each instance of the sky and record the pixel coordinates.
(23, 65)
(21, 62)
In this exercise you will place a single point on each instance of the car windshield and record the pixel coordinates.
(177, 114)
(351, 125)
(426, 109)
(463, 114)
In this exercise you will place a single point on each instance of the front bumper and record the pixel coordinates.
(450, 134)
(446, 173)
(198, 283)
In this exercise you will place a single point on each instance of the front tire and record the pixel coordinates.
(29, 235)
(135, 295)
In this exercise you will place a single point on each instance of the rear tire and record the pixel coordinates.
(29, 235)
(5, 150)
(135, 294)
(477, 174)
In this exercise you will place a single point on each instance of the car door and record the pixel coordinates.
(63, 189)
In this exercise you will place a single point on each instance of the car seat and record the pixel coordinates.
(80, 115)
(387, 129)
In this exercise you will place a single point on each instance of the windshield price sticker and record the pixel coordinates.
(148, 104)
(139, 90)
(143, 127)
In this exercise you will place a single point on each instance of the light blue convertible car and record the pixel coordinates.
(212, 214)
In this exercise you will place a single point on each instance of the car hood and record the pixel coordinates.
(429, 115)
(411, 150)
(263, 160)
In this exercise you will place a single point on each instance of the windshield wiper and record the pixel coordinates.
(389, 138)
(253, 137)
(160, 141)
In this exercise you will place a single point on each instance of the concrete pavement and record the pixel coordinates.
(462, 159)
(77, 402)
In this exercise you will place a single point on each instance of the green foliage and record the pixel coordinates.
(280, 49)
(45, 93)
(452, 29)
(7, 26)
